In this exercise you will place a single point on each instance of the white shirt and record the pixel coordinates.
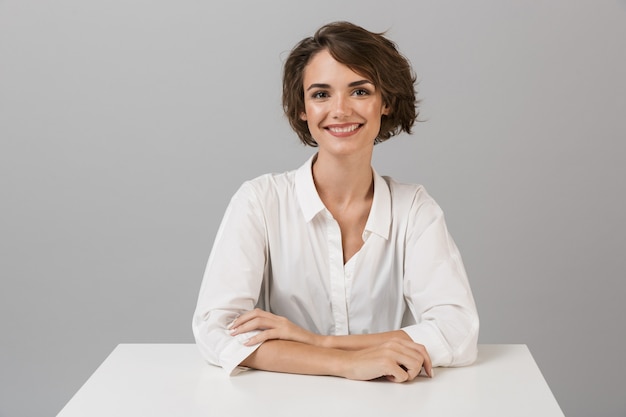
(279, 248)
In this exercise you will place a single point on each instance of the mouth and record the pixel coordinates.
(343, 129)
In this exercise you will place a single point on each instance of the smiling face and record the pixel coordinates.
(342, 109)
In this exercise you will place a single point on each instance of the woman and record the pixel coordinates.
(352, 274)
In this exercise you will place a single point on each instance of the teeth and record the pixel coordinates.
(344, 129)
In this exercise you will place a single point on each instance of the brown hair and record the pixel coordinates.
(367, 53)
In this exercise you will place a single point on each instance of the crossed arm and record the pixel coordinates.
(289, 348)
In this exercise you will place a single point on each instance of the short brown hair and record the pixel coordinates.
(367, 53)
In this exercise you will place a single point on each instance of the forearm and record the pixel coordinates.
(361, 341)
(297, 358)
(285, 347)
(397, 359)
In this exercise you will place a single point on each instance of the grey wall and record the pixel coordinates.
(125, 126)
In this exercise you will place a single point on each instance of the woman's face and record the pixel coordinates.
(343, 109)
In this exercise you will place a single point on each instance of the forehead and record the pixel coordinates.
(323, 68)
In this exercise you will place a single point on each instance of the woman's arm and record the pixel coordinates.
(232, 281)
(272, 326)
(398, 360)
(392, 354)
(436, 288)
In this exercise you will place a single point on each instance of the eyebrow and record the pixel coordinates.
(352, 84)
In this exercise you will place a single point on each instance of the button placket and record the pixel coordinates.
(337, 276)
(349, 276)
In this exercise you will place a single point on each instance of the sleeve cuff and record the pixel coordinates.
(236, 352)
(426, 335)
(440, 351)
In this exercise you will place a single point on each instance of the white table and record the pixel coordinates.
(172, 380)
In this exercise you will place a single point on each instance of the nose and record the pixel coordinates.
(341, 107)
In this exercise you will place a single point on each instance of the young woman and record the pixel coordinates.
(332, 269)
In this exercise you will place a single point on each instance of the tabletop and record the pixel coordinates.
(173, 380)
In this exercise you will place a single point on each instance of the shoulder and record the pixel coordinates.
(271, 182)
(266, 188)
(412, 206)
(413, 196)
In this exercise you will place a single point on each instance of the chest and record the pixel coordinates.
(351, 227)
(316, 289)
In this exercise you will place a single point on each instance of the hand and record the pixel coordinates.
(398, 360)
(272, 326)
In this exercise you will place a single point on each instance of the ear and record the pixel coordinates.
(303, 116)
(386, 110)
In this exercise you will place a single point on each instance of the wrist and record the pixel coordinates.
(341, 365)
(321, 341)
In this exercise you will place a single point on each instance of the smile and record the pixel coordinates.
(344, 128)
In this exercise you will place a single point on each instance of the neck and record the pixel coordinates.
(343, 181)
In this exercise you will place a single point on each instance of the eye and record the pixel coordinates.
(319, 94)
(361, 92)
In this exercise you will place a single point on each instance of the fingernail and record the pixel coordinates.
(232, 323)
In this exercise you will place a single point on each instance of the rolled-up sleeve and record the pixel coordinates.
(232, 282)
(437, 290)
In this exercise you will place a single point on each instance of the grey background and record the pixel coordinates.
(125, 127)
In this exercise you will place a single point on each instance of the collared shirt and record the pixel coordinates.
(279, 248)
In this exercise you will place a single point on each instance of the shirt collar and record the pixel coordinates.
(309, 199)
(379, 220)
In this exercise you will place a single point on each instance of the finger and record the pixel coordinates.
(260, 338)
(411, 364)
(406, 362)
(412, 373)
(255, 323)
(247, 316)
(397, 374)
(428, 364)
(410, 356)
